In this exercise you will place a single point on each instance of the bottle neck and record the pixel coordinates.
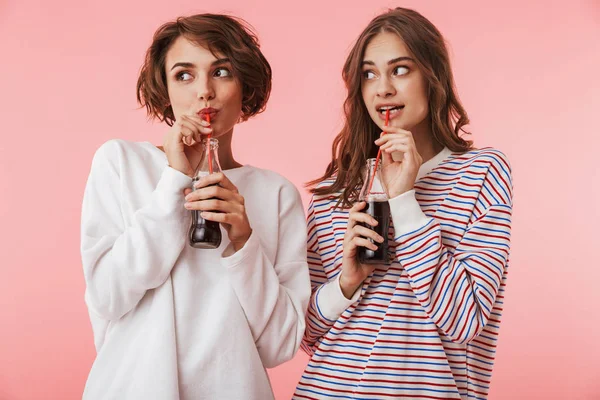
(210, 159)
(372, 189)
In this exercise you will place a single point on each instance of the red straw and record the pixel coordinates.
(210, 166)
(387, 120)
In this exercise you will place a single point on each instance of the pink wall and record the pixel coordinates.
(528, 75)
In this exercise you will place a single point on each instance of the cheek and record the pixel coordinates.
(235, 100)
(230, 93)
(180, 99)
(418, 93)
(368, 95)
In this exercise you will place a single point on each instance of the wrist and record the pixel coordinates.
(395, 192)
(239, 244)
(348, 289)
(184, 171)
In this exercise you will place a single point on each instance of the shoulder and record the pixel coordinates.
(489, 166)
(267, 178)
(485, 157)
(116, 157)
(328, 200)
(479, 162)
(115, 150)
(268, 181)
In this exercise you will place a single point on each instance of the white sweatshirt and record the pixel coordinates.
(174, 322)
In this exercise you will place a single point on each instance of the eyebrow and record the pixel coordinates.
(220, 61)
(395, 60)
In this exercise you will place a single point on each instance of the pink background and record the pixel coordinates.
(528, 76)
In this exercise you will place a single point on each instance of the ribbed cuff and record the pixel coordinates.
(331, 302)
(406, 213)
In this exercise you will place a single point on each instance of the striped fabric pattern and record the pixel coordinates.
(425, 327)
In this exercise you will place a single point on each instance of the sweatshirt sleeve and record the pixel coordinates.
(274, 295)
(122, 261)
(457, 287)
(327, 302)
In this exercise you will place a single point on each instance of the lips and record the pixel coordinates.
(395, 110)
(208, 111)
(383, 108)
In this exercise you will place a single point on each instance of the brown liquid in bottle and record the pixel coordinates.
(380, 210)
(205, 234)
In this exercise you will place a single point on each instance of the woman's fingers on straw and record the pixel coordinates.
(187, 128)
(393, 142)
(200, 128)
(192, 121)
(381, 140)
(388, 130)
(201, 120)
(384, 138)
(393, 147)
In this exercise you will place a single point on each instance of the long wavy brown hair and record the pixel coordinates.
(354, 144)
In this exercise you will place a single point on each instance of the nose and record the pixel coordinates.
(385, 87)
(205, 91)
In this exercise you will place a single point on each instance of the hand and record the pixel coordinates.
(398, 176)
(180, 139)
(353, 272)
(220, 201)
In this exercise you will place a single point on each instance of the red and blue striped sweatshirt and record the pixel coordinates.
(425, 327)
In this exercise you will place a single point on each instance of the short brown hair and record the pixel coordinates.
(231, 36)
(354, 144)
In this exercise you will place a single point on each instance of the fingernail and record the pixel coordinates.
(187, 205)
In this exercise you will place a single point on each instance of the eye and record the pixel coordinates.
(183, 76)
(401, 70)
(369, 75)
(222, 72)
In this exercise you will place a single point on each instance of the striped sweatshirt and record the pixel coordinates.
(426, 326)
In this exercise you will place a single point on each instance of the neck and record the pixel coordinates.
(427, 146)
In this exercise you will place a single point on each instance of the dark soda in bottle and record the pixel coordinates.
(205, 234)
(377, 207)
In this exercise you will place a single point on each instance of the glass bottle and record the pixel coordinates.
(205, 234)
